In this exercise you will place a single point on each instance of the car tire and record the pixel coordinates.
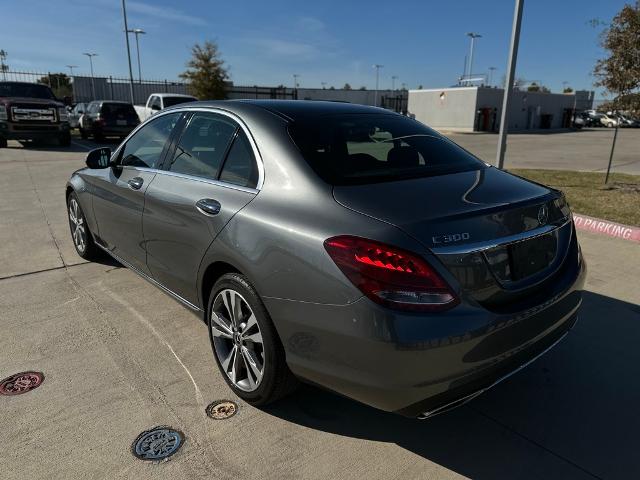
(3, 142)
(80, 234)
(252, 322)
(64, 140)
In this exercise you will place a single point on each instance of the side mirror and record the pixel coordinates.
(99, 158)
(155, 106)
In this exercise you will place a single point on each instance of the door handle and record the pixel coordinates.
(136, 183)
(208, 206)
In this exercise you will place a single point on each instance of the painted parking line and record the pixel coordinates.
(604, 227)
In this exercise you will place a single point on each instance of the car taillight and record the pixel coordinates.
(389, 275)
(99, 120)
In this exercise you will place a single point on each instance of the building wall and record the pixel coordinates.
(444, 109)
(480, 108)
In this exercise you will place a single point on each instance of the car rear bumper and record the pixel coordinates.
(412, 364)
(17, 131)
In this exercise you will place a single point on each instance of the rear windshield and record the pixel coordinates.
(351, 149)
(117, 109)
(170, 101)
(30, 90)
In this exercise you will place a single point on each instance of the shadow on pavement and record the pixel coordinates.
(571, 414)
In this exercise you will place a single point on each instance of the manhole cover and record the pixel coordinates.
(222, 409)
(21, 383)
(157, 443)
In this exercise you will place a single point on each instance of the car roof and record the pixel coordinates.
(292, 110)
(171, 95)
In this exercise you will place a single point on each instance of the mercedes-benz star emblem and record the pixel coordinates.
(543, 215)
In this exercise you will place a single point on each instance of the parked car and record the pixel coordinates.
(608, 121)
(340, 244)
(74, 115)
(627, 121)
(160, 101)
(30, 111)
(108, 118)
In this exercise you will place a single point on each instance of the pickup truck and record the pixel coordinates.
(30, 111)
(160, 101)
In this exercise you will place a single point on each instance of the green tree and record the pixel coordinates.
(60, 84)
(534, 87)
(346, 87)
(206, 72)
(362, 88)
(619, 71)
(568, 90)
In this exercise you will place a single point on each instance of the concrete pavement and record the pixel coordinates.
(119, 357)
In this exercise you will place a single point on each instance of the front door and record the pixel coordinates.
(211, 174)
(118, 192)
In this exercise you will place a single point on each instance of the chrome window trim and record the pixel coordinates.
(220, 111)
(192, 177)
(500, 242)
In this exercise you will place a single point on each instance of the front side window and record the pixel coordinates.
(240, 167)
(203, 145)
(353, 149)
(155, 103)
(144, 149)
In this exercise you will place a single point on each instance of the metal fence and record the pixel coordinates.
(80, 88)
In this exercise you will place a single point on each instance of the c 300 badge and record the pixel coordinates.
(450, 238)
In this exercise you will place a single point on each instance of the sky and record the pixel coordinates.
(422, 42)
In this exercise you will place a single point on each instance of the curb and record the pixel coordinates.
(604, 227)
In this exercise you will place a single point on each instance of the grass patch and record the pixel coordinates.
(618, 201)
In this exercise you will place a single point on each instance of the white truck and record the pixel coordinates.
(160, 101)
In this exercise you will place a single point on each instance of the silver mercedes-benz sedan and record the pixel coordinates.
(337, 244)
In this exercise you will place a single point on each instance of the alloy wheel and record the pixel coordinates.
(237, 340)
(78, 230)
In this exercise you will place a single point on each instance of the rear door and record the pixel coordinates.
(210, 174)
(118, 192)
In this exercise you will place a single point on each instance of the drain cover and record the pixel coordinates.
(222, 409)
(157, 443)
(21, 383)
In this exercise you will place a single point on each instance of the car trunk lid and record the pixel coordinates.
(498, 234)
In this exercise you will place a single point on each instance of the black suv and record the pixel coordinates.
(30, 111)
(108, 118)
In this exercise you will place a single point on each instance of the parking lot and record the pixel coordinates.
(119, 357)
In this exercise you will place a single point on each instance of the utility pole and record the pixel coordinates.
(491, 70)
(473, 37)
(323, 84)
(393, 82)
(126, 36)
(93, 85)
(3, 66)
(137, 32)
(295, 80)
(375, 94)
(508, 86)
(71, 67)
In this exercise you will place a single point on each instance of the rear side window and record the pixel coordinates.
(170, 101)
(352, 149)
(203, 145)
(240, 167)
(144, 148)
(109, 110)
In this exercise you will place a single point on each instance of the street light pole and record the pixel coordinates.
(138, 31)
(375, 94)
(295, 80)
(93, 85)
(491, 70)
(71, 67)
(126, 35)
(393, 82)
(508, 86)
(473, 37)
